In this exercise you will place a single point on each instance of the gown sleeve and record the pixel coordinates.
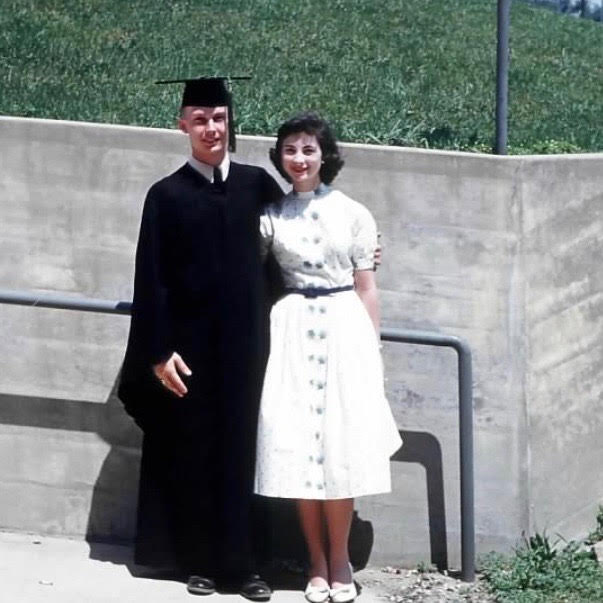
(364, 239)
(149, 338)
(150, 318)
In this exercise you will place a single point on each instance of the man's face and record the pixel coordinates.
(207, 129)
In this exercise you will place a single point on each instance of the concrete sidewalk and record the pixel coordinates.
(54, 570)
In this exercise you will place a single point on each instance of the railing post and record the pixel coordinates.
(466, 460)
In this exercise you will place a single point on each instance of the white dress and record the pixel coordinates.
(325, 429)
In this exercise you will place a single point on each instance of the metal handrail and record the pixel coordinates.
(25, 298)
(465, 431)
(62, 302)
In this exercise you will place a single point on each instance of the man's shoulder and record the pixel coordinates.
(256, 180)
(177, 186)
(172, 180)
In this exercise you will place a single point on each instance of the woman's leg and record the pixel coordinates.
(312, 523)
(338, 515)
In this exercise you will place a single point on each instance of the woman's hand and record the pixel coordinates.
(169, 372)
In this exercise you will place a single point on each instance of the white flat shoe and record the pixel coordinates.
(343, 594)
(316, 594)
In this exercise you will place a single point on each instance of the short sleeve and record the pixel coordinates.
(266, 234)
(364, 239)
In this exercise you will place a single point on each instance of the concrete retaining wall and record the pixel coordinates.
(563, 254)
(501, 251)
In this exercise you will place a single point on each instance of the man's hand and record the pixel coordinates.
(169, 372)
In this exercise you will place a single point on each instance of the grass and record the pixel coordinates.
(416, 73)
(542, 572)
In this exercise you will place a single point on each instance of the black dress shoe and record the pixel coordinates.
(199, 585)
(255, 589)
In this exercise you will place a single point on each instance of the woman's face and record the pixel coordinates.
(301, 158)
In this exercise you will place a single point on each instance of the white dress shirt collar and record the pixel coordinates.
(207, 170)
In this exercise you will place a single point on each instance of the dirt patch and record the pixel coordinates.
(398, 585)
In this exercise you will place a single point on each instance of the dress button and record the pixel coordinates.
(317, 435)
(311, 458)
(322, 309)
(322, 360)
(322, 335)
(311, 358)
(311, 381)
(320, 460)
(319, 385)
(308, 484)
(316, 240)
(311, 334)
(315, 215)
(320, 486)
(311, 308)
(304, 239)
(319, 265)
(307, 264)
(319, 411)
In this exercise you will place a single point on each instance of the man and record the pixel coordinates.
(192, 372)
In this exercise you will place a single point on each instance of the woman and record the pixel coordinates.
(325, 431)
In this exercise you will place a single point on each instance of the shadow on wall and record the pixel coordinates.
(423, 448)
(112, 515)
(287, 542)
(113, 504)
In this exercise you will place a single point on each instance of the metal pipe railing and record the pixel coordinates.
(63, 302)
(465, 431)
(25, 298)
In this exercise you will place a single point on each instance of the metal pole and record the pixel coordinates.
(502, 77)
(466, 460)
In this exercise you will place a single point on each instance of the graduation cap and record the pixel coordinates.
(209, 92)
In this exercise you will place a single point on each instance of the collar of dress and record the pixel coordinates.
(321, 189)
(207, 171)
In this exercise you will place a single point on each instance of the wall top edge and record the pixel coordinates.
(82, 124)
(270, 139)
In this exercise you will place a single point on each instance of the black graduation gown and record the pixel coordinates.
(199, 291)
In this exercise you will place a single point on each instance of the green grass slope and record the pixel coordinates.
(403, 72)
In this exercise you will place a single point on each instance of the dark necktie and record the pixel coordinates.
(218, 177)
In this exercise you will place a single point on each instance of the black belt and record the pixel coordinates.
(318, 291)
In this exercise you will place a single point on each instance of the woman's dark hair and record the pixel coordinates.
(312, 124)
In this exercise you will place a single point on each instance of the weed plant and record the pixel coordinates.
(411, 73)
(597, 534)
(542, 572)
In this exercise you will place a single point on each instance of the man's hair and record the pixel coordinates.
(312, 124)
